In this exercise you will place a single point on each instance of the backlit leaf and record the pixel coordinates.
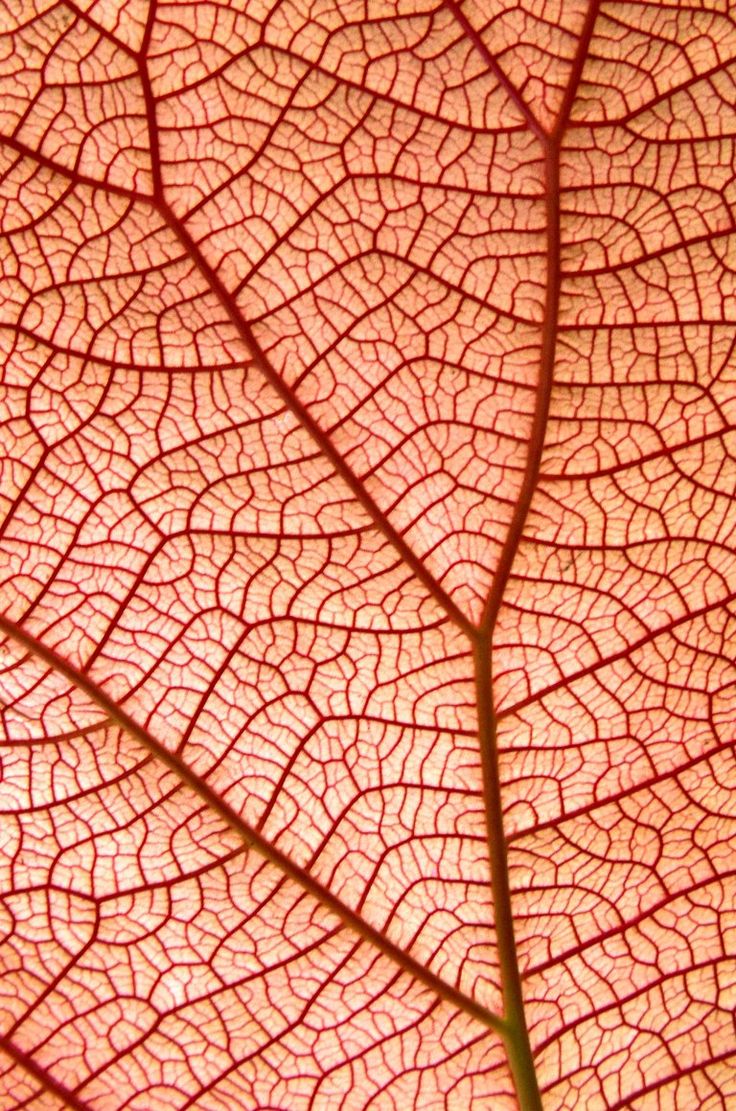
(367, 680)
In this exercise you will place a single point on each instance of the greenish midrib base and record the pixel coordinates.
(516, 1038)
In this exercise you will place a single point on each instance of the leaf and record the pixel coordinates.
(368, 557)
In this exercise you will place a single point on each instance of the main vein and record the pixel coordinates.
(518, 1046)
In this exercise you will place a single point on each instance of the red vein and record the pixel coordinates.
(672, 1078)
(624, 653)
(319, 437)
(544, 393)
(248, 834)
(495, 68)
(576, 73)
(72, 175)
(44, 1077)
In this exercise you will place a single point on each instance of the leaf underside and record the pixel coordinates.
(368, 556)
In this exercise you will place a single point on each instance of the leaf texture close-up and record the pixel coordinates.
(368, 555)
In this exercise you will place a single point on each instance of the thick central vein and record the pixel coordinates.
(517, 1040)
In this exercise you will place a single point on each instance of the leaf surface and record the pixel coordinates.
(368, 565)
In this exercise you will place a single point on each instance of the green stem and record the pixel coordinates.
(516, 1037)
